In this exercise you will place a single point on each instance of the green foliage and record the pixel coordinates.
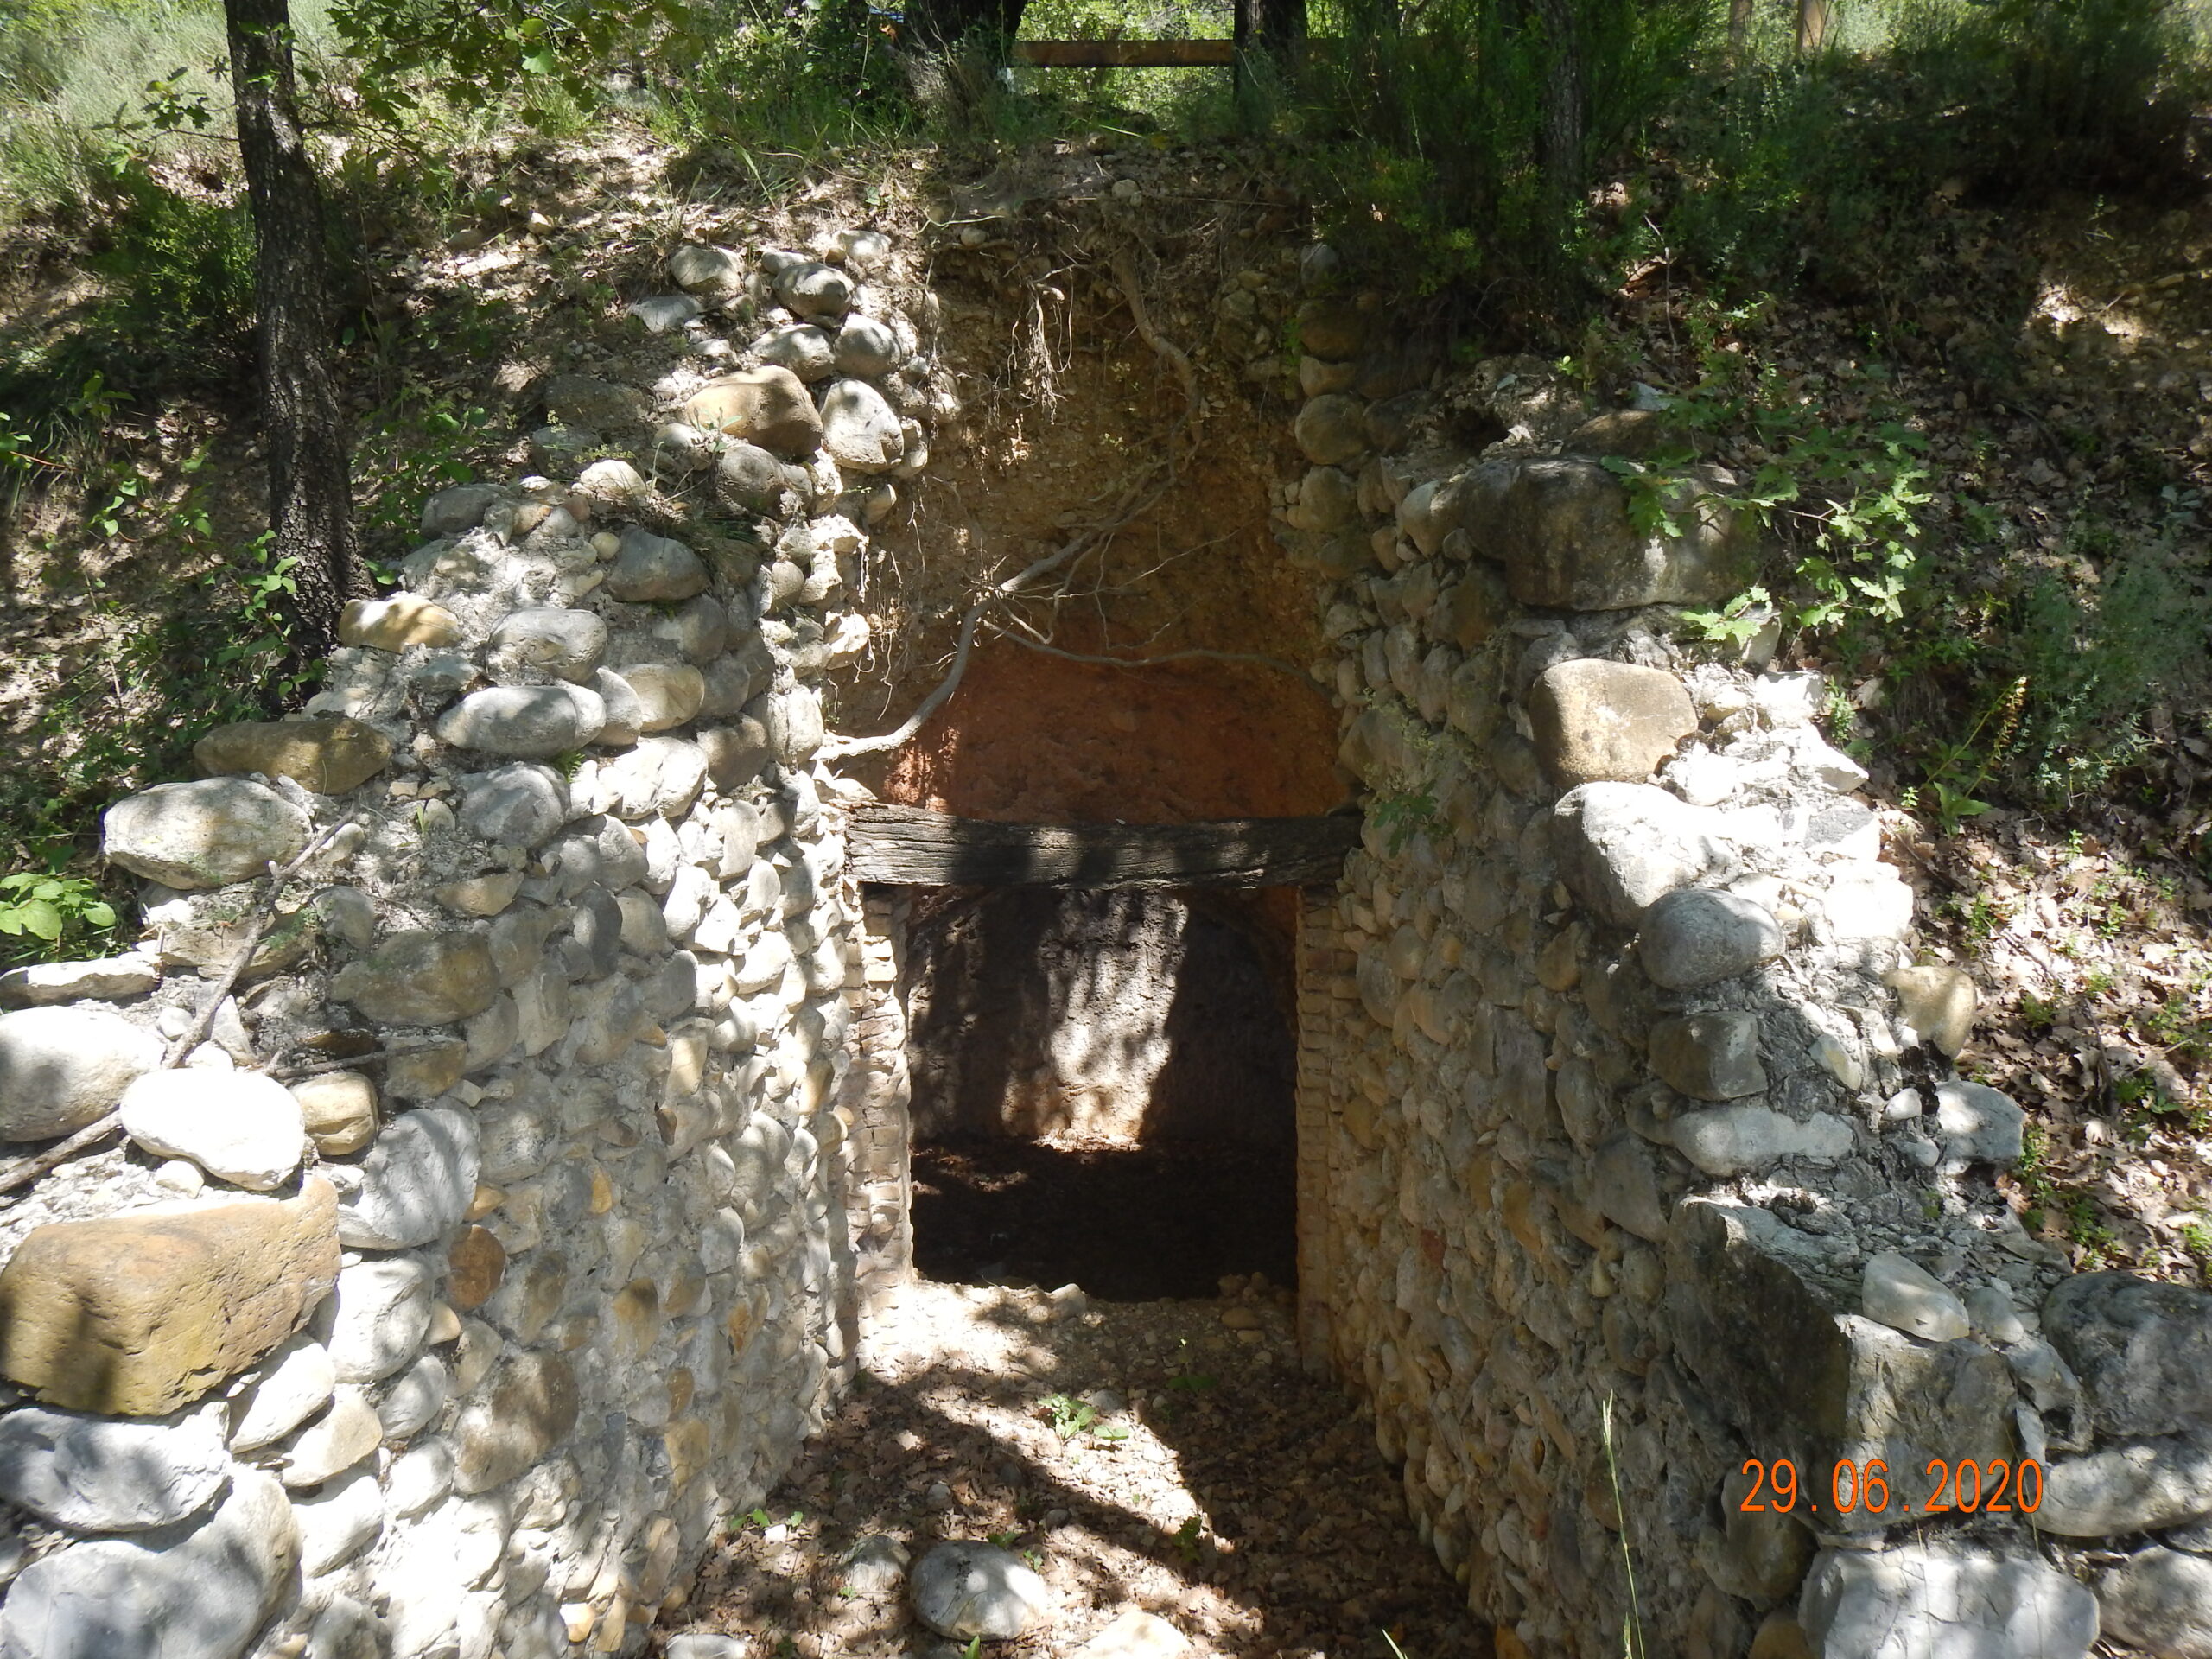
(1820, 167)
(1435, 122)
(48, 916)
(172, 313)
(126, 715)
(1839, 500)
(2092, 661)
(1069, 1416)
(405, 453)
(1402, 816)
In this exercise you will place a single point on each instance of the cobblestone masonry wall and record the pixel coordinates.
(1634, 1099)
(519, 1210)
(498, 1237)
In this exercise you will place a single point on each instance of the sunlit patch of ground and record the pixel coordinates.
(1168, 1455)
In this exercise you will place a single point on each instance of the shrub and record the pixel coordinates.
(1442, 147)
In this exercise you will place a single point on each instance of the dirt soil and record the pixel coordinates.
(1213, 1483)
(1128, 1224)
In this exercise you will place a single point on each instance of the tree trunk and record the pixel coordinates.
(310, 491)
(1812, 25)
(1565, 119)
(941, 25)
(1739, 29)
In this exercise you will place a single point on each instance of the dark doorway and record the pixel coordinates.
(1102, 1087)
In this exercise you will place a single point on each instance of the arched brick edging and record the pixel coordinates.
(463, 1348)
(1620, 1082)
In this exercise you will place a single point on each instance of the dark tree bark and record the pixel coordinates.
(310, 491)
(940, 25)
(1565, 120)
(1275, 28)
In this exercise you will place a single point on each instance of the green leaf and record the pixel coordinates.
(41, 918)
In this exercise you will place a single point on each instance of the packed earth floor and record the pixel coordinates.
(1166, 1455)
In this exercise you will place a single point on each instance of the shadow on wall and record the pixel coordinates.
(1124, 1016)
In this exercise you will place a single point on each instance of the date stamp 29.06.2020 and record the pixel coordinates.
(1965, 1487)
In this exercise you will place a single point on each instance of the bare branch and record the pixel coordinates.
(837, 747)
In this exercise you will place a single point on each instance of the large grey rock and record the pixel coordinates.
(2161, 1602)
(626, 711)
(415, 1397)
(421, 978)
(515, 806)
(416, 1182)
(2155, 1482)
(1904, 1295)
(335, 1441)
(459, 507)
(206, 833)
(696, 267)
(2143, 1351)
(1763, 1551)
(1622, 847)
(1560, 525)
(815, 291)
(1938, 1001)
(805, 350)
(565, 644)
(62, 1068)
(339, 1522)
(1774, 1361)
(1332, 429)
(1977, 1124)
(295, 1383)
(649, 569)
(1695, 937)
(791, 721)
(1747, 1139)
(602, 405)
(327, 755)
(734, 678)
(198, 1592)
(239, 1126)
(866, 346)
(1926, 1601)
(769, 407)
(1598, 721)
(533, 722)
(376, 1321)
(667, 693)
(707, 1645)
(106, 1474)
(110, 979)
(525, 1408)
(860, 429)
(1709, 1056)
(749, 478)
(970, 1590)
(1624, 1187)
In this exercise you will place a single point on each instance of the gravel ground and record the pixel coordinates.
(1169, 1455)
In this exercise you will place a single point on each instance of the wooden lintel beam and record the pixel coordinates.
(1125, 54)
(908, 846)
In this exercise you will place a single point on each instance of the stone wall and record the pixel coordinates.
(1637, 1102)
(497, 1236)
